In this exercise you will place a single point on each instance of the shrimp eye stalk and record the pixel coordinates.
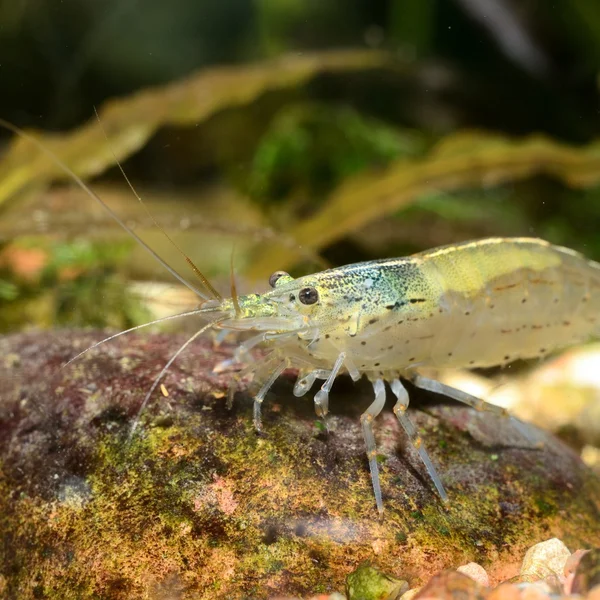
(276, 277)
(308, 295)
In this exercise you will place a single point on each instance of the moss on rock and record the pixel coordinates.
(196, 505)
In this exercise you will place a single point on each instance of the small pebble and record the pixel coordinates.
(545, 559)
(570, 568)
(410, 594)
(594, 593)
(535, 591)
(573, 562)
(505, 591)
(449, 585)
(476, 573)
(369, 583)
(334, 596)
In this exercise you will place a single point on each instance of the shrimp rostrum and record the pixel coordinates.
(476, 304)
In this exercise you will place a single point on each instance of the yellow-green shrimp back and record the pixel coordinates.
(511, 298)
(474, 304)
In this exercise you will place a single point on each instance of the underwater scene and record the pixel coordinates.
(300, 300)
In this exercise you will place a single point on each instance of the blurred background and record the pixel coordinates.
(302, 133)
(296, 135)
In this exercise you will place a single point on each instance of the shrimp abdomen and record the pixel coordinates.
(504, 299)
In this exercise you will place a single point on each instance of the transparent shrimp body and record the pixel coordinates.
(470, 305)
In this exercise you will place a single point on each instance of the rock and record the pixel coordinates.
(587, 574)
(505, 591)
(451, 585)
(570, 568)
(476, 573)
(544, 560)
(368, 583)
(410, 594)
(196, 505)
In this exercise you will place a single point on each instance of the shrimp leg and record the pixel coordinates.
(242, 352)
(478, 404)
(322, 396)
(303, 384)
(366, 420)
(260, 396)
(415, 439)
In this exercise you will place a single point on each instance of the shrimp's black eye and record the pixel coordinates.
(308, 295)
(276, 277)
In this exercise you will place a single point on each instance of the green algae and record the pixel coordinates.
(368, 583)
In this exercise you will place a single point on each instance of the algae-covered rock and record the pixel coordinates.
(196, 505)
(369, 583)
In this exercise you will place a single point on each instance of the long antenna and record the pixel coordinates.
(159, 377)
(198, 311)
(194, 268)
(19, 132)
(234, 294)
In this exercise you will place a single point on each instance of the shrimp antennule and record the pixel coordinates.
(19, 132)
(116, 335)
(207, 284)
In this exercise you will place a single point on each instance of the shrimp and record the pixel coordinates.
(475, 304)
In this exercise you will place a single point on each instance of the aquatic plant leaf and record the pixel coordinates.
(131, 121)
(460, 161)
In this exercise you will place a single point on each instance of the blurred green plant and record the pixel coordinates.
(464, 160)
(131, 122)
(309, 149)
(45, 283)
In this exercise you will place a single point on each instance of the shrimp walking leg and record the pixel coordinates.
(431, 385)
(303, 384)
(366, 421)
(260, 396)
(234, 383)
(415, 439)
(478, 404)
(322, 396)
